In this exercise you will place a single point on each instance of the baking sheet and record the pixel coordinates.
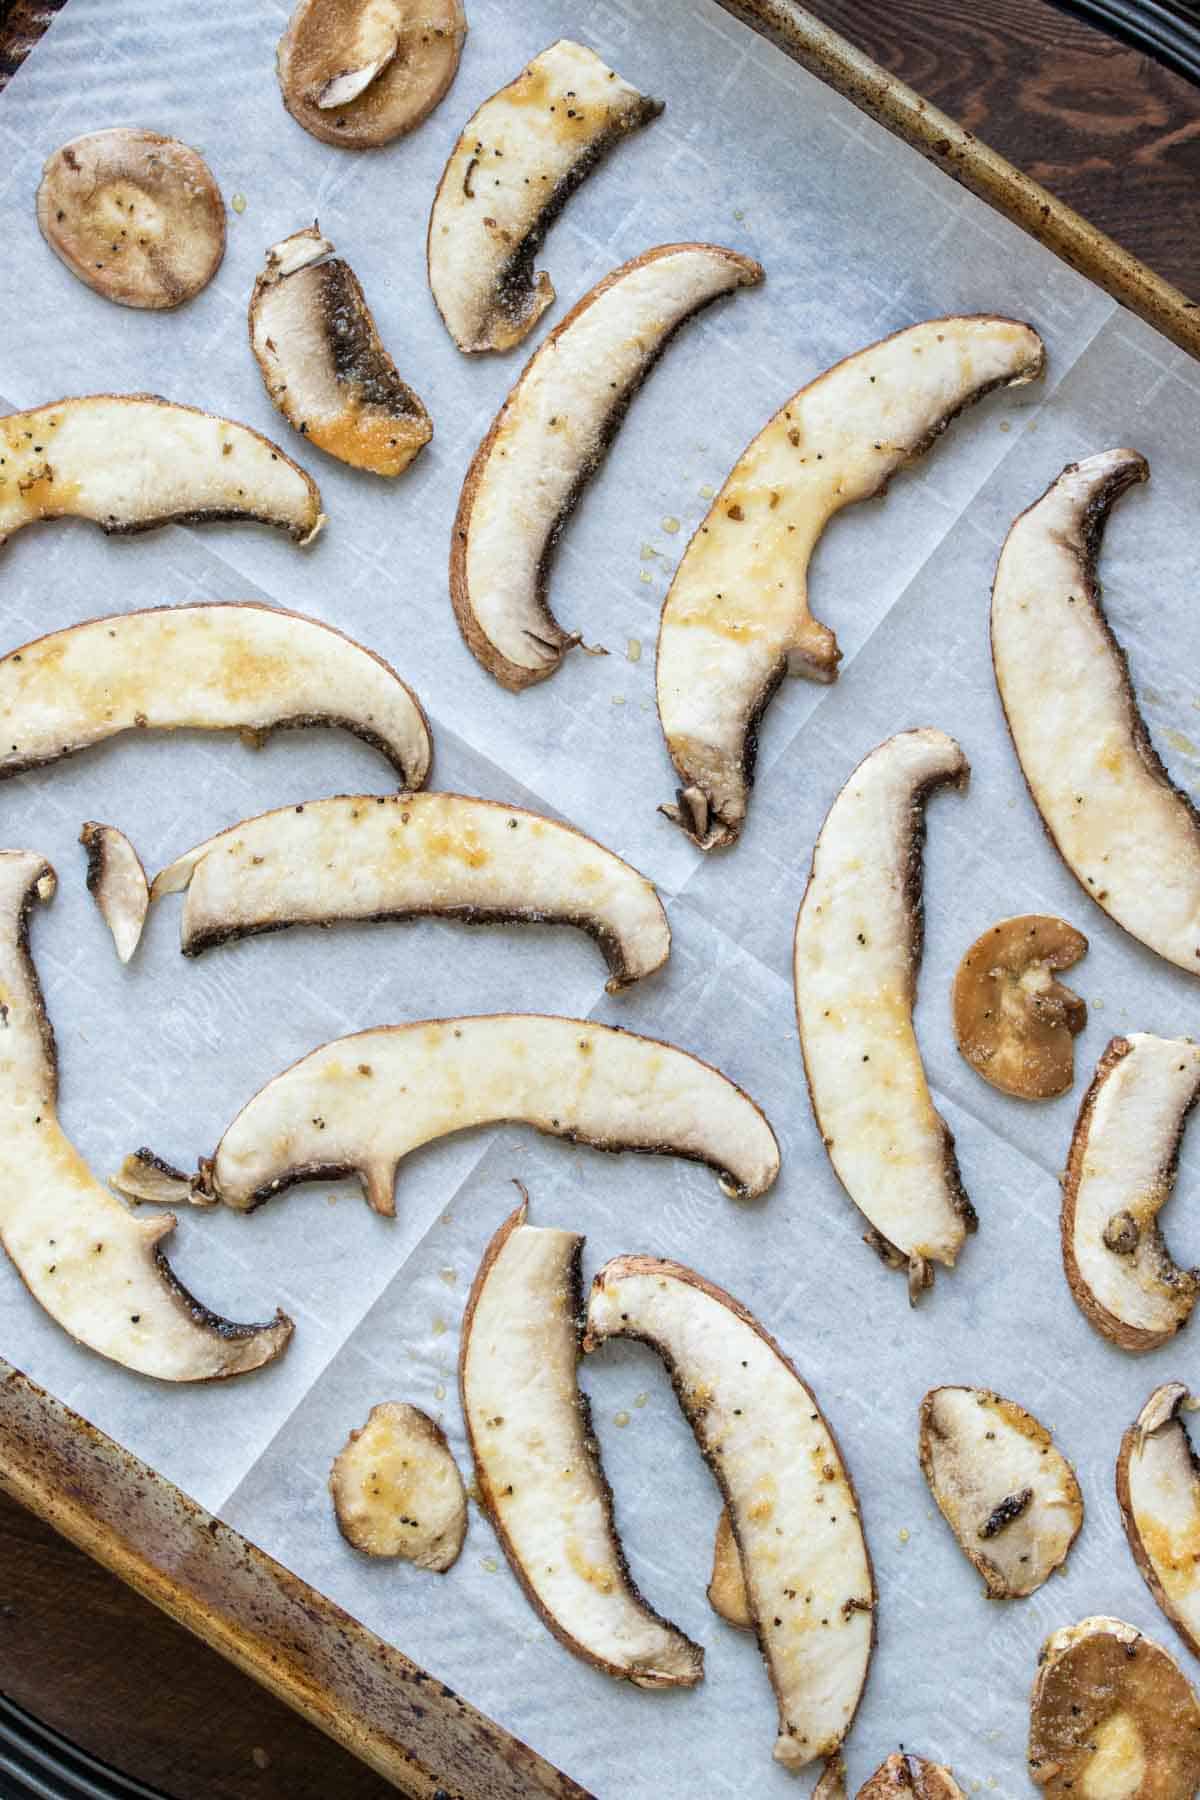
(859, 236)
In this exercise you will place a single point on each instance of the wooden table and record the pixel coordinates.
(1116, 136)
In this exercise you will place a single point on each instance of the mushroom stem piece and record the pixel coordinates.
(1013, 1021)
(912, 1775)
(397, 1490)
(1158, 1491)
(117, 882)
(358, 73)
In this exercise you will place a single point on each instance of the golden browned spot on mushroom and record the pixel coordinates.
(359, 73)
(1013, 1021)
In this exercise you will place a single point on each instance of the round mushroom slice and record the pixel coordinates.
(1158, 1491)
(136, 216)
(904, 1774)
(117, 883)
(1119, 1175)
(1006, 1492)
(1015, 1024)
(397, 1490)
(358, 73)
(97, 1270)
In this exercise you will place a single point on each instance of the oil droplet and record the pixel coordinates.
(474, 1493)
(647, 551)
(644, 576)
(1005, 425)
(738, 213)
(439, 1392)
(633, 650)
(449, 1276)
(671, 525)
(707, 491)
(490, 1564)
(621, 1418)
(331, 1199)
(1177, 741)
(439, 1326)
(238, 203)
(640, 1399)
(618, 699)
(902, 1534)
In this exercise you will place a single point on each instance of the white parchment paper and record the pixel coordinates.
(859, 236)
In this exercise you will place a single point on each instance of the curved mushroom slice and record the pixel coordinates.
(234, 667)
(323, 362)
(129, 462)
(727, 1587)
(904, 1774)
(362, 856)
(548, 439)
(517, 163)
(1008, 1495)
(136, 216)
(117, 882)
(359, 73)
(857, 953)
(538, 1466)
(736, 618)
(397, 1490)
(1158, 1491)
(1120, 1173)
(96, 1269)
(1013, 1021)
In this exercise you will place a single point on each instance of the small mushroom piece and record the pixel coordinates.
(1112, 1717)
(1013, 1021)
(397, 1490)
(136, 216)
(832, 1782)
(1158, 1491)
(1007, 1493)
(358, 73)
(323, 362)
(1120, 1173)
(912, 1775)
(517, 163)
(117, 883)
(727, 1586)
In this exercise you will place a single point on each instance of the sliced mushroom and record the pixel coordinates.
(323, 362)
(727, 1587)
(517, 163)
(397, 1490)
(136, 216)
(736, 618)
(1007, 1493)
(904, 1774)
(537, 1464)
(363, 856)
(359, 73)
(1112, 1717)
(1014, 1023)
(117, 882)
(1158, 1491)
(96, 1269)
(548, 439)
(129, 462)
(857, 954)
(236, 667)
(831, 1784)
(1120, 1173)
(791, 1501)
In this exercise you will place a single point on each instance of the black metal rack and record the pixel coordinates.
(38, 1763)
(1166, 29)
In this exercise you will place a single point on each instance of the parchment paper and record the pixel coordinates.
(859, 236)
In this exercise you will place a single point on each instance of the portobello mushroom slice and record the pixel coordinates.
(549, 438)
(137, 217)
(736, 618)
(364, 856)
(1015, 1023)
(1120, 1173)
(857, 954)
(537, 1463)
(520, 158)
(1112, 1717)
(727, 1587)
(358, 73)
(97, 1270)
(237, 666)
(1007, 1493)
(323, 362)
(905, 1774)
(1158, 1491)
(129, 462)
(117, 883)
(792, 1503)
(397, 1490)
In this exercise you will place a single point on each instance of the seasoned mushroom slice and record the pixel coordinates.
(857, 954)
(736, 618)
(548, 439)
(904, 1774)
(397, 1490)
(359, 73)
(136, 216)
(726, 1587)
(323, 362)
(537, 1464)
(792, 1504)
(1112, 1717)
(117, 883)
(1013, 1021)
(1120, 1173)
(1007, 1493)
(235, 667)
(129, 462)
(361, 856)
(96, 1269)
(1158, 1491)
(517, 163)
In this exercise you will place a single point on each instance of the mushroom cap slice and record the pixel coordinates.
(1112, 1717)
(791, 1501)
(1120, 1172)
(912, 1775)
(136, 216)
(1014, 1023)
(857, 953)
(551, 435)
(1158, 1491)
(727, 1587)
(538, 1466)
(520, 158)
(1007, 1493)
(323, 362)
(117, 882)
(96, 1269)
(358, 73)
(129, 462)
(210, 667)
(397, 1490)
(736, 618)
(364, 856)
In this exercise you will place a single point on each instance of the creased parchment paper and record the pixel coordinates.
(858, 237)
